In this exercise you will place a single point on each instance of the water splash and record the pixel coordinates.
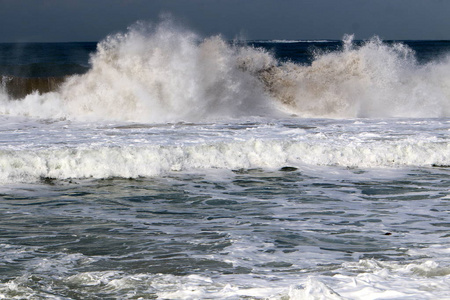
(373, 80)
(167, 73)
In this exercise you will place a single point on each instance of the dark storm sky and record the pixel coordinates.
(92, 20)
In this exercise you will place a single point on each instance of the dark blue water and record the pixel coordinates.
(45, 59)
(60, 59)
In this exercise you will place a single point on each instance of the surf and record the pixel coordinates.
(166, 73)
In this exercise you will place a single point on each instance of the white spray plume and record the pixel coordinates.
(166, 73)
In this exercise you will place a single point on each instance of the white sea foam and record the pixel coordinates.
(63, 149)
(166, 73)
(373, 80)
(136, 161)
(156, 75)
(376, 280)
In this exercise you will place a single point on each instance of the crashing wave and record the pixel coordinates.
(166, 73)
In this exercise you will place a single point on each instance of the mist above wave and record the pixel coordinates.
(167, 73)
(372, 80)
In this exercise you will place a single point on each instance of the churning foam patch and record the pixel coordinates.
(372, 80)
(376, 280)
(134, 162)
(166, 73)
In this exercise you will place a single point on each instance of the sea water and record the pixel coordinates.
(170, 166)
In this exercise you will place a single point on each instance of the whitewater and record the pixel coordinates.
(165, 74)
(173, 166)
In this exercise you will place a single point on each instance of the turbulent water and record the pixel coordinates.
(157, 164)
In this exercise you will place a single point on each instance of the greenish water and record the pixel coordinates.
(101, 239)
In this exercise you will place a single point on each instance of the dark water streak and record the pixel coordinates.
(41, 67)
(19, 87)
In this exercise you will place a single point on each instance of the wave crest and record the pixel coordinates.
(166, 73)
(373, 80)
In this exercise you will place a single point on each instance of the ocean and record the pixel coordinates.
(158, 164)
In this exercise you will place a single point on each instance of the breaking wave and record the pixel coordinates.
(156, 160)
(166, 73)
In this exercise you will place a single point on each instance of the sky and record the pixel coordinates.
(93, 20)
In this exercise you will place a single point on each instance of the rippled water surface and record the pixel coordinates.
(252, 231)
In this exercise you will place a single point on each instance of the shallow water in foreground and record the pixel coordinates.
(293, 231)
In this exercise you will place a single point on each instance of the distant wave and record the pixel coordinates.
(292, 41)
(165, 73)
(42, 70)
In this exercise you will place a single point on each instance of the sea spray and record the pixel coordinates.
(165, 73)
(372, 80)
